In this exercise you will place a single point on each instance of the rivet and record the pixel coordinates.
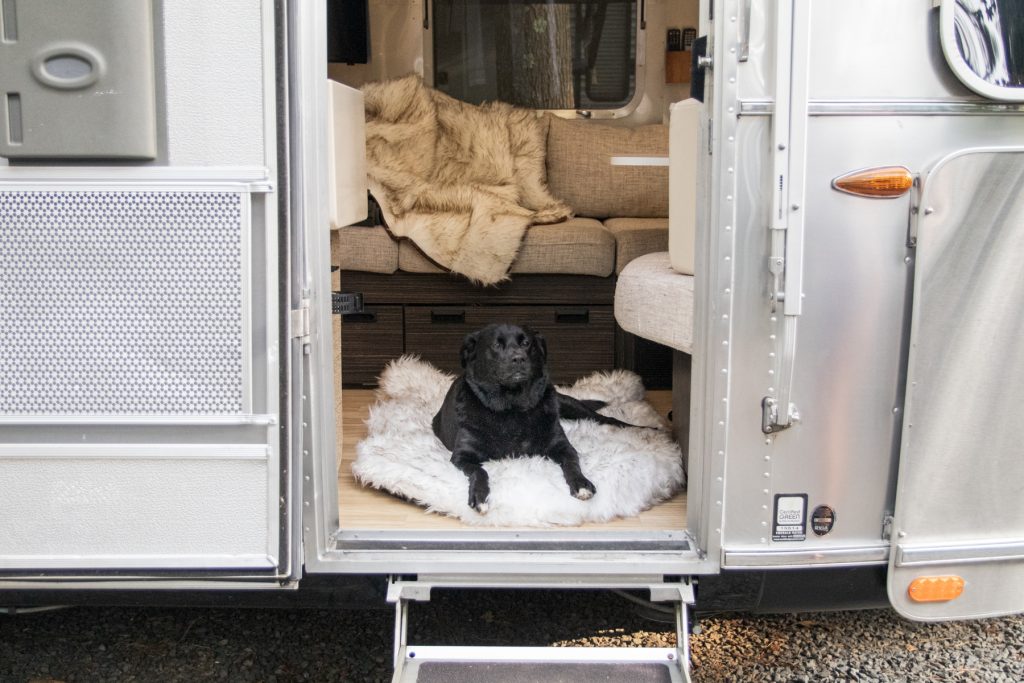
(929, 211)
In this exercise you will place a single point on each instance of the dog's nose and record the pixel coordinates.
(519, 358)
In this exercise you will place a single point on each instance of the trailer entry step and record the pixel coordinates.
(458, 664)
(532, 664)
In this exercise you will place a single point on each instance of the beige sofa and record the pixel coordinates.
(561, 283)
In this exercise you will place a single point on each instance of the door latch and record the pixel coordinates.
(346, 303)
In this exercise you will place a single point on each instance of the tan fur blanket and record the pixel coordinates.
(462, 181)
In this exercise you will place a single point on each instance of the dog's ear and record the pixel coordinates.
(541, 343)
(468, 352)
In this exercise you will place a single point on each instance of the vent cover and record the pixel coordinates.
(121, 303)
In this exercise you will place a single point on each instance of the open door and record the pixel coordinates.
(958, 529)
(146, 319)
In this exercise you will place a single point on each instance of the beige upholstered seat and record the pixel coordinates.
(655, 302)
(579, 246)
(372, 250)
(637, 236)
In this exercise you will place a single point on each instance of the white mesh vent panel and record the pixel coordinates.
(125, 303)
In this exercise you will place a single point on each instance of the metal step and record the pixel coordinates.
(458, 664)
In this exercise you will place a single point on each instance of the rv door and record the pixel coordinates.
(958, 531)
(149, 322)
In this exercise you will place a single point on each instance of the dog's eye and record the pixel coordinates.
(525, 343)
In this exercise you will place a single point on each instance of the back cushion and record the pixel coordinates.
(580, 172)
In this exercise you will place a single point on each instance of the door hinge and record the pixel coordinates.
(345, 303)
(887, 527)
(300, 320)
(775, 420)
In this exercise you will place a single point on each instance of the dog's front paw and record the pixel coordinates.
(582, 488)
(478, 493)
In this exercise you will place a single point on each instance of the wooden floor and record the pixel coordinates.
(367, 508)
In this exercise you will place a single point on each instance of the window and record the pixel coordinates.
(984, 44)
(541, 54)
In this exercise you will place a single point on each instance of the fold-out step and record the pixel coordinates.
(531, 664)
(500, 664)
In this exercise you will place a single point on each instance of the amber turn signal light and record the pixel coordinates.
(885, 181)
(935, 588)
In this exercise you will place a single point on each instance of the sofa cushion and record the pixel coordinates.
(655, 302)
(578, 246)
(580, 172)
(637, 236)
(369, 249)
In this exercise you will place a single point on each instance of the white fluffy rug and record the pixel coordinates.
(632, 468)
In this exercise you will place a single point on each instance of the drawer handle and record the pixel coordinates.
(448, 315)
(364, 317)
(572, 315)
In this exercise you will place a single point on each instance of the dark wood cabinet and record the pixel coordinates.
(430, 315)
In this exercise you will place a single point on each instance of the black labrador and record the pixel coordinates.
(503, 405)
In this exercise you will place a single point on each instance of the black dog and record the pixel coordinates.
(503, 405)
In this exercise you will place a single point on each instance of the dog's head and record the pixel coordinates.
(505, 355)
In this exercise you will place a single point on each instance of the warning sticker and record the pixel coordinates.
(790, 519)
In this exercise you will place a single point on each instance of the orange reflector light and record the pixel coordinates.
(886, 181)
(935, 588)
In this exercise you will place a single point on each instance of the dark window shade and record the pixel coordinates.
(348, 31)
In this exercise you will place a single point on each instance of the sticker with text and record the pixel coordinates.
(790, 520)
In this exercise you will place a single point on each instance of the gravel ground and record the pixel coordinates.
(160, 644)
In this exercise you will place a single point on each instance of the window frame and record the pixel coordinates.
(960, 67)
(639, 69)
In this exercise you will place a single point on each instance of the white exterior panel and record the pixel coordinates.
(131, 506)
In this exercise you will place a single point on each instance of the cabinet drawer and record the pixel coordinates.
(581, 339)
(368, 341)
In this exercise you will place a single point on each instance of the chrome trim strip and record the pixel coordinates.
(177, 178)
(510, 536)
(142, 451)
(766, 107)
(140, 420)
(606, 563)
(917, 556)
(805, 558)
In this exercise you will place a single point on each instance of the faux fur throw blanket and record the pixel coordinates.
(633, 469)
(463, 182)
